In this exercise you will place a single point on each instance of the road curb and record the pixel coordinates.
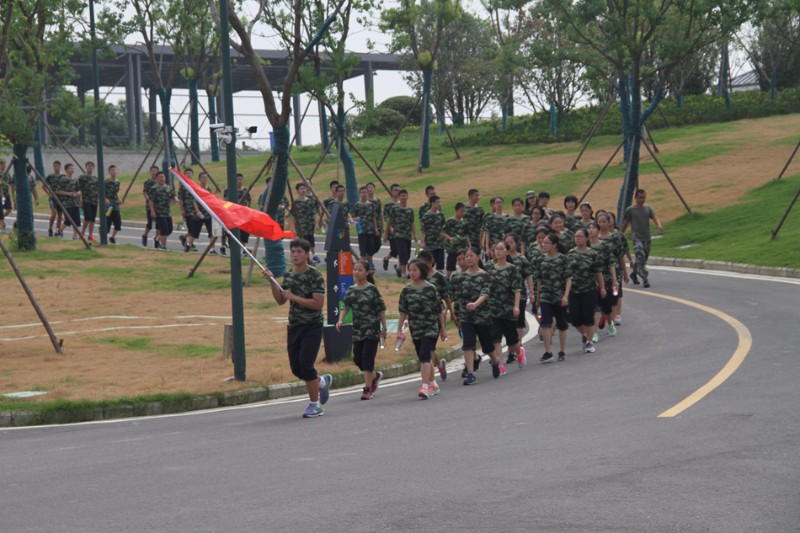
(725, 266)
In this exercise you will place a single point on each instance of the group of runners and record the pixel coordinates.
(569, 265)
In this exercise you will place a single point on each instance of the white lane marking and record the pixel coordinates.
(114, 328)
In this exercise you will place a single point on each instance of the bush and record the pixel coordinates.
(378, 121)
(404, 105)
(697, 109)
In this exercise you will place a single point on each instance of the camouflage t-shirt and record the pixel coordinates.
(424, 208)
(388, 208)
(305, 210)
(366, 304)
(584, 267)
(67, 184)
(378, 213)
(112, 194)
(495, 227)
(517, 225)
(573, 223)
(553, 273)
(328, 203)
(525, 271)
(402, 219)
(567, 239)
(529, 236)
(432, 225)
(422, 306)
(89, 186)
(439, 280)
(187, 202)
(304, 284)
(365, 212)
(52, 181)
(162, 196)
(607, 260)
(535, 256)
(468, 288)
(457, 229)
(148, 187)
(474, 217)
(506, 282)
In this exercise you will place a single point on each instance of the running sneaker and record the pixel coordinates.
(464, 373)
(635, 277)
(443, 368)
(366, 394)
(50, 232)
(595, 337)
(315, 258)
(602, 323)
(112, 240)
(562, 356)
(618, 320)
(144, 241)
(424, 392)
(478, 360)
(313, 411)
(471, 379)
(397, 271)
(583, 341)
(213, 251)
(156, 244)
(433, 388)
(522, 361)
(496, 370)
(646, 284)
(612, 331)
(223, 250)
(376, 381)
(589, 347)
(386, 263)
(182, 238)
(325, 391)
(91, 238)
(502, 369)
(512, 357)
(546, 358)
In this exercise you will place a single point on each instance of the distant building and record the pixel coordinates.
(747, 81)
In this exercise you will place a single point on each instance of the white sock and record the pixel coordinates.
(322, 383)
(315, 404)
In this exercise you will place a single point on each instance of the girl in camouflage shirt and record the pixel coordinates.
(504, 301)
(369, 325)
(586, 268)
(421, 305)
(554, 287)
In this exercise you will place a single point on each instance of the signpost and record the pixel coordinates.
(339, 260)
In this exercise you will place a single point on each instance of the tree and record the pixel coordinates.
(33, 57)
(419, 28)
(622, 32)
(774, 47)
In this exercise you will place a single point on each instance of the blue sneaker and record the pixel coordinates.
(313, 411)
(471, 379)
(496, 370)
(324, 392)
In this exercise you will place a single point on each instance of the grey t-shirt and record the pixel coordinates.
(639, 220)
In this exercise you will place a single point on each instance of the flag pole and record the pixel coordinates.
(224, 227)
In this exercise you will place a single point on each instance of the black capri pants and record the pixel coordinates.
(581, 308)
(115, 219)
(425, 346)
(504, 328)
(302, 343)
(403, 250)
(438, 258)
(551, 312)
(89, 212)
(193, 226)
(164, 225)
(364, 352)
(472, 333)
(607, 304)
(451, 262)
(521, 323)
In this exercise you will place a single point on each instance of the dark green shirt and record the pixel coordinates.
(495, 226)
(402, 219)
(517, 225)
(305, 211)
(162, 196)
(432, 225)
(112, 194)
(506, 282)
(378, 213)
(67, 184)
(474, 217)
(469, 288)
(584, 267)
(365, 212)
(304, 284)
(525, 270)
(422, 306)
(607, 260)
(457, 229)
(553, 273)
(89, 186)
(366, 304)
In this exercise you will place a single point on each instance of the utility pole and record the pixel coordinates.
(101, 182)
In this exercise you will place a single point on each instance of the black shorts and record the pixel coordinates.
(310, 239)
(244, 237)
(207, 224)
(54, 206)
(364, 352)
(521, 323)
(403, 250)
(504, 328)
(164, 225)
(472, 333)
(607, 304)
(581, 308)
(424, 347)
(366, 244)
(451, 263)
(149, 225)
(302, 343)
(392, 248)
(193, 226)
(554, 311)
(89, 212)
(75, 214)
(438, 258)
(114, 218)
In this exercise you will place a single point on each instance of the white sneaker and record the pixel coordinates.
(589, 348)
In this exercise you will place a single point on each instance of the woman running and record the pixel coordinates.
(586, 272)
(608, 260)
(369, 325)
(474, 318)
(504, 300)
(421, 305)
(554, 286)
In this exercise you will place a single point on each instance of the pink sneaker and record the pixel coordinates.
(522, 361)
(433, 389)
(502, 369)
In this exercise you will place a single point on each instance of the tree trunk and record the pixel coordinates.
(165, 95)
(26, 238)
(276, 261)
(425, 130)
(351, 185)
(212, 119)
(633, 135)
(194, 122)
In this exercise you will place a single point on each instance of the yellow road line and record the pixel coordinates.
(743, 348)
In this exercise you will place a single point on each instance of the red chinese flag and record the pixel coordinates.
(234, 215)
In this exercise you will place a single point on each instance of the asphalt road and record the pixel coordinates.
(572, 446)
